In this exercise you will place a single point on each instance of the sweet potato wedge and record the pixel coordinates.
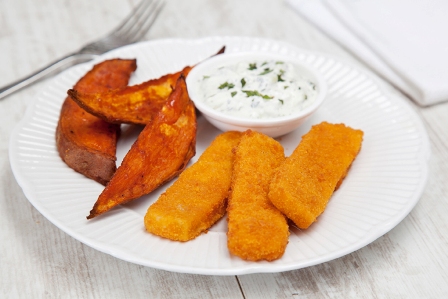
(136, 104)
(85, 142)
(161, 151)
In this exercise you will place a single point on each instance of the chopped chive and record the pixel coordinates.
(252, 66)
(243, 82)
(226, 85)
(266, 71)
(255, 93)
(233, 93)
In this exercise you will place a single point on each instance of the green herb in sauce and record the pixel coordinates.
(226, 85)
(256, 93)
(279, 78)
(252, 66)
(265, 71)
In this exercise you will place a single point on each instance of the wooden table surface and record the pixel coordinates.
(38, 260)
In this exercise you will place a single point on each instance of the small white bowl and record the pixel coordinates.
(273, 127)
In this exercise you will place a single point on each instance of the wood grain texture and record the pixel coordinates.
(39, 260)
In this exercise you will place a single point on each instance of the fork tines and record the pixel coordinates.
(137, 23)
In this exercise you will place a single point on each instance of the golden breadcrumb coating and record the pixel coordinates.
(199, 196)
(304, 183)
(256, 229)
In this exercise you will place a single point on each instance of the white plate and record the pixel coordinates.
(383, 185)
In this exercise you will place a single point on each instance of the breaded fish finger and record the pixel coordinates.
(256, 229)
(304, 183)
(199, 196)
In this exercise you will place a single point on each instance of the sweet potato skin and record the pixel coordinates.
(162, 150)
(136, 104)
(85, 142)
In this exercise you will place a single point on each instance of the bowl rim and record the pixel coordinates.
(198, 70)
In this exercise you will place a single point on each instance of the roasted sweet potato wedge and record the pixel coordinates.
(136, 104)
(85, 142)
(161, 152)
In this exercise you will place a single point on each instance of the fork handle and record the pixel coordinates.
(51, 69)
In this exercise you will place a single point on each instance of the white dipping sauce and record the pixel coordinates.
(257, 89)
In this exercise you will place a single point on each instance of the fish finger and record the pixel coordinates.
(256, 229)
(198, 198)
(304, 183)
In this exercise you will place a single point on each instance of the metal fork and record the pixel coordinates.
(131, 30)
